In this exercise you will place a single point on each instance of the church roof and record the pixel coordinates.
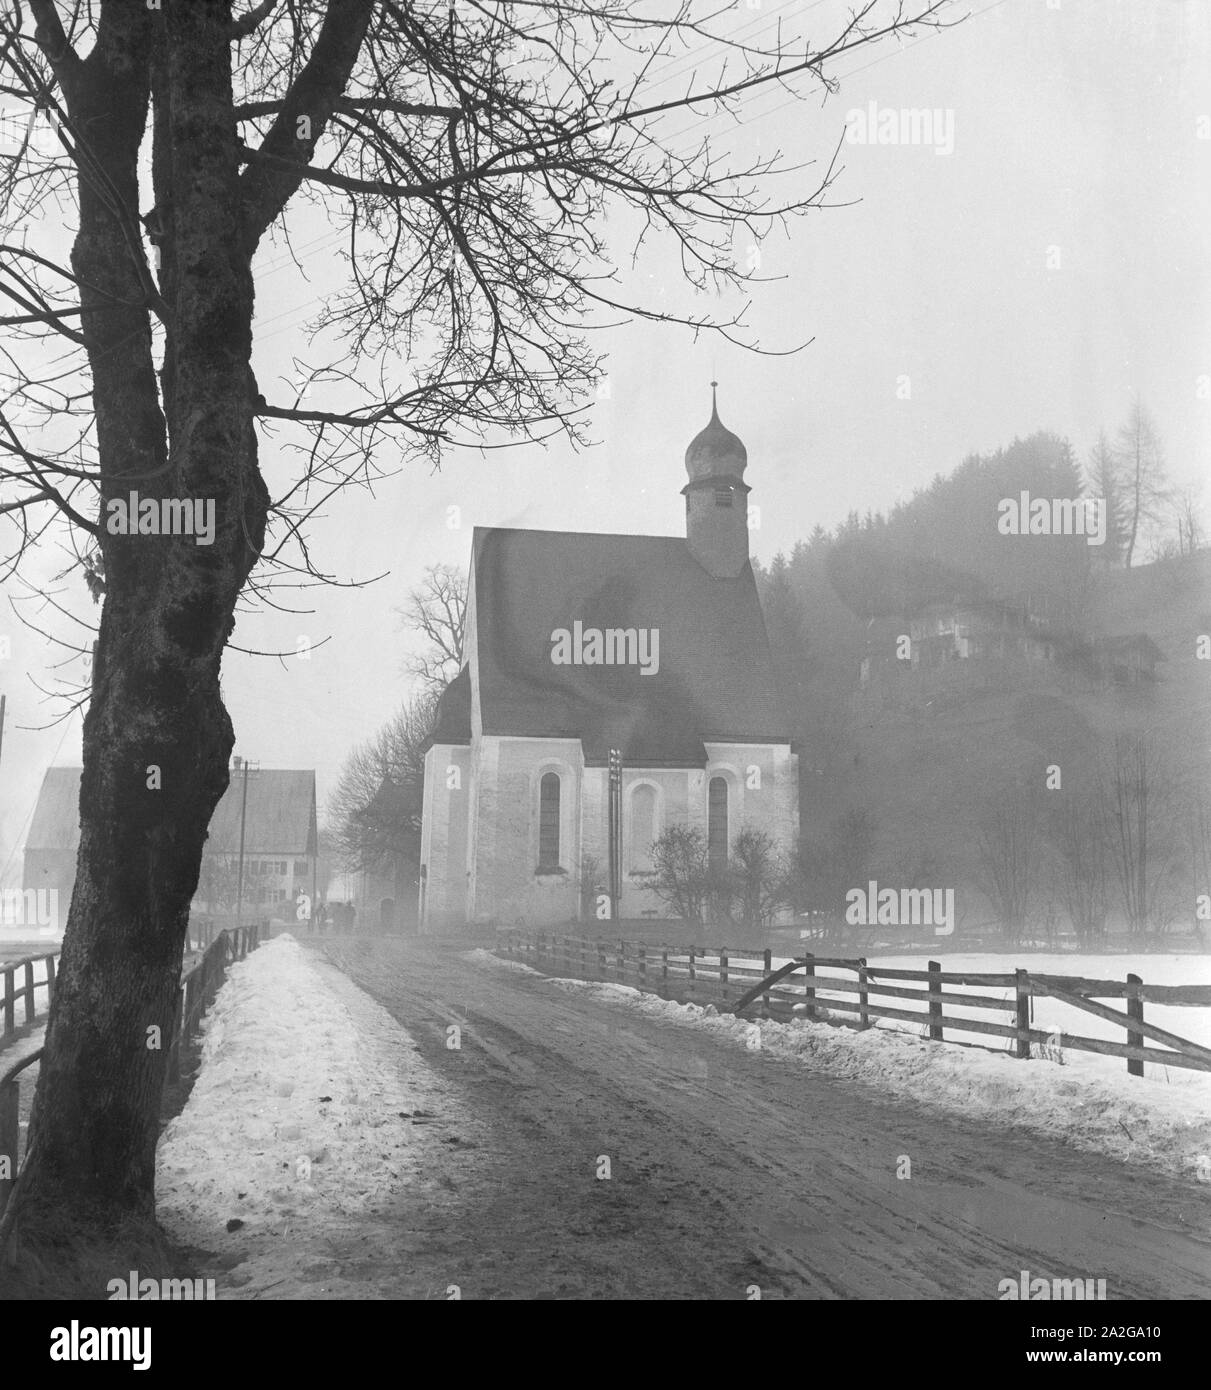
(714, 681)
(453, 720)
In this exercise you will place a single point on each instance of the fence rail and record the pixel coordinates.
(735, 979)
(197, 988)
(27, 991)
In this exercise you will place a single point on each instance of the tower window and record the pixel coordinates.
(548, 821)
(716, 824)
(723, 496)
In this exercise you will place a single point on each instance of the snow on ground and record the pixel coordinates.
(311, 1109)
(1163, 1119)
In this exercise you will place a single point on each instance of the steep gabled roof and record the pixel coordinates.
(715, 680)
(279, 819)
(56, 822)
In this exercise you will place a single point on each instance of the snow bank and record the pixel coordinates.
(311, 1103)
(1164, 1122)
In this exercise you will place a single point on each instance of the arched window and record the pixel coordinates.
(548, 821)
(643, 826)
(723, 495)
(716, 823)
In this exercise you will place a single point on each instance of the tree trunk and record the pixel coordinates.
(157, 738)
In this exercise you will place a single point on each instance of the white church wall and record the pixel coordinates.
(506, 886)
(444, 826)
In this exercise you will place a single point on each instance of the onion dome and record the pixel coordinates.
(715, 451)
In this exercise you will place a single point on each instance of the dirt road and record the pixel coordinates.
(729, 1168)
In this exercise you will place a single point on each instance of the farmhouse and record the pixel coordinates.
(579, 646)
(275, 809)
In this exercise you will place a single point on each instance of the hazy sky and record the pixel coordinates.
(1047, 267)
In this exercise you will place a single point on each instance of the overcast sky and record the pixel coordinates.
(1035, 276)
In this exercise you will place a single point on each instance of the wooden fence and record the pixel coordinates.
(197, 988)
(737, 979)
(28, 990)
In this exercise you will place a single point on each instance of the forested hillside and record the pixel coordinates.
(905, 768)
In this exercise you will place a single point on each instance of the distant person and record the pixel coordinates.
(351, 918)
(321, 916)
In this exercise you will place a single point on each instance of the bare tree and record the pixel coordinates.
(468, 154)
(437, 610)
(1141, 473)
(1141, 834)
(1078, 835)
(760, 878)
(370, 810)
(1007, 847)
(681, 872)
(1191, 534)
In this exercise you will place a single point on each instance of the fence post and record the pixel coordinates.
(643, 965)
(50, 982)
(935, 1005)
(693, 975)
(10, 1136)
(601, 958)
(809, 992)
(766, 958)
(863, 997)
(664, 969)
(622, 952)
(723, 971)
(1135, 1009)
(1022, 1019)
(10, 1021)
(29, 991)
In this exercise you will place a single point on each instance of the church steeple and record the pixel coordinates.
(716, 498)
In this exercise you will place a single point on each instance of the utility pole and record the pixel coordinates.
(239, 892)
(615, 834)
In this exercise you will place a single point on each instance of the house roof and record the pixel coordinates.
(280, 815)
(279, 819)
(56, 822)
(715, 679)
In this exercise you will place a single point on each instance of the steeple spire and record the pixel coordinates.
(716, 506)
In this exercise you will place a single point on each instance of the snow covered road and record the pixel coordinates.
(731, 1169)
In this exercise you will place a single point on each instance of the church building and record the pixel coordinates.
(578, 645)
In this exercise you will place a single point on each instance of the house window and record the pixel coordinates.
(723, 496)
(716, 823)
(301, 868)
(548, 821)
(643, 827)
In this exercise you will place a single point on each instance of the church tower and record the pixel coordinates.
(716, 498)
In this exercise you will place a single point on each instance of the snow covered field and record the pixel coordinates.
(1162, 1119)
